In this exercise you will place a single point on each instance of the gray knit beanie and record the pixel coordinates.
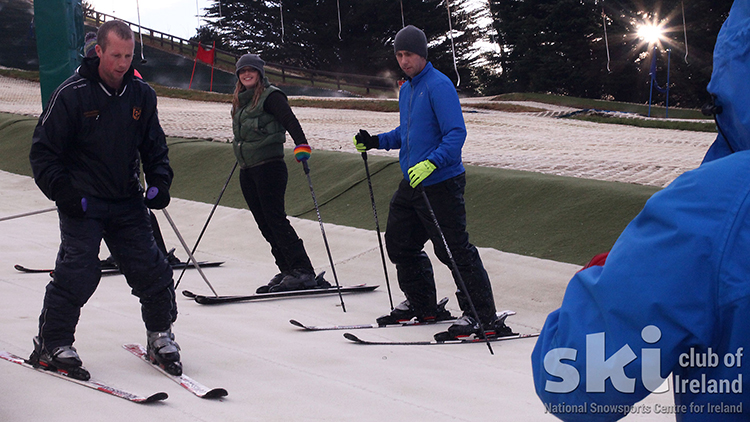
(411, 38)
(251, 60)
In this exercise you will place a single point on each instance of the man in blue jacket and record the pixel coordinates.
(429, 139)
(99, 128)
(674, 294)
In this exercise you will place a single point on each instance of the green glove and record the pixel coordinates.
(363, 141)
(420, 171)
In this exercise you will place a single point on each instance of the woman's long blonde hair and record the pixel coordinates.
(238, 88)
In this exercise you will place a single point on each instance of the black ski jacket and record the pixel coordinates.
(93, 139)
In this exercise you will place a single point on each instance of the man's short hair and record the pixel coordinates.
(120, 28)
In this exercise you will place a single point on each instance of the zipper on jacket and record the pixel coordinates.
(408, 125)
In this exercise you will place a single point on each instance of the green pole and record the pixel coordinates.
(59, 41)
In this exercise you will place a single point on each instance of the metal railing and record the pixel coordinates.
(226, 60)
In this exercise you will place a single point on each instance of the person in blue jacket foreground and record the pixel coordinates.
(674, 294)
(430, 138)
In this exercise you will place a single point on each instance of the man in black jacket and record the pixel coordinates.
(99, 127)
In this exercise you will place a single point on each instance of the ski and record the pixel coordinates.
(96, 385)
(114, 271)
(410, 323)
(185, 381)
(23, 269)
(502, 316)
(177, 266)
(355, 339)
(215, 300)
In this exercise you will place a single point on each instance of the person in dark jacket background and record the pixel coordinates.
(99, 128)
(261, 116)
(429, 138)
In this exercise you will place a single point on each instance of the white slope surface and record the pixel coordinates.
(272, 370)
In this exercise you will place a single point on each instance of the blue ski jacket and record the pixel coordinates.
(730, 83)
(431, 126)
(674, 294)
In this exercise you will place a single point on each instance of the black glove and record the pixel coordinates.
(157, 196)
(70, 202)
(363, 141)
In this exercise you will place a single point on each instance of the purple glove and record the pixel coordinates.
(157, 196)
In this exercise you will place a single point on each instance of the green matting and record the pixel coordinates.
(565, 219)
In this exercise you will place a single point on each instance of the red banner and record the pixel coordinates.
(206, 56)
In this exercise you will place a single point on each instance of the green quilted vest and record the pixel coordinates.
(258, 136)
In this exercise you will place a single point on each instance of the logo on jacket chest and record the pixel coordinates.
(136, 113)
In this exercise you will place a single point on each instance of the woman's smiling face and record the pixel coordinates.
(249, 77)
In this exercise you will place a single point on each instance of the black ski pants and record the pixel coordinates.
(410, 226)
(126, 228)
(264, 187)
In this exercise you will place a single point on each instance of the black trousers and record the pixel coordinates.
(264, 187)
(126, 228)
(410, 225)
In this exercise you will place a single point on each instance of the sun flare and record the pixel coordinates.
(650, 33)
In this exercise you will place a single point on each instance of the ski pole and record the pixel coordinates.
(190, 254)
(461, 284)
(377, 228)
(302, 157)
(26, 214)
(140, 29)
(207, 220)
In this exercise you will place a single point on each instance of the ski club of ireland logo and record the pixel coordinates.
(599, 368)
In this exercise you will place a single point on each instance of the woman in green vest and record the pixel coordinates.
(261, 116)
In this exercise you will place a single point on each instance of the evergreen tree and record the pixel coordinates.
(560, 47)
(206, 36)
(548, 45)
(360, 42)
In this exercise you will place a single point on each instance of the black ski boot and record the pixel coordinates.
(322, 283)
(405, 312)
(401, 313)
(63, 359)
(274, 281)
(109, 263)
(467, 326)
(296, 280)
(164, 351)
(172, 259)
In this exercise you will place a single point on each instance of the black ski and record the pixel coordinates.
(410, 323)
(177, 266)
(30, 270)
(502, 316)
(185, 381)
(96, 385)
(352, 337)
(114, 271)
(215, 300)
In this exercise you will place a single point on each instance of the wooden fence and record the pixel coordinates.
(226, 60)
